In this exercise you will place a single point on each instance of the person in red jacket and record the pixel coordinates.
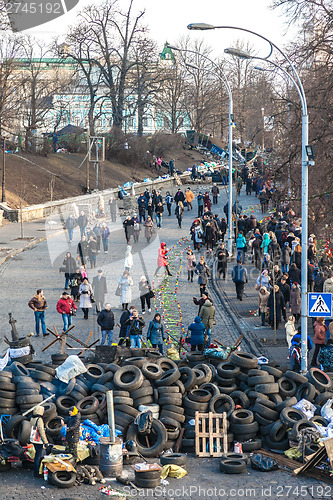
(161, 259)
(65, 306)
(320, 330)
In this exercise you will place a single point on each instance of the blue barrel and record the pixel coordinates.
(110, 457)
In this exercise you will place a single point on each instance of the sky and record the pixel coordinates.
(168, 20)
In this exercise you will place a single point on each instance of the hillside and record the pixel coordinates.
(29, 176)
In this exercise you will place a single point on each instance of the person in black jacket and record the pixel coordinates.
(239, 277)
(123, 335)
(82, 250)
(105, 320)
(70, 268)
(179, 196)
(222, 255)
(73, 431)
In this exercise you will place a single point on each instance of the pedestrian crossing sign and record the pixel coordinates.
(320, 304)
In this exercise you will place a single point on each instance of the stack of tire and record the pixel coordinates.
(8, 405)
(233, 463)
(28, 390)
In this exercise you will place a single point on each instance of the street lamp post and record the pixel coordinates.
(305, 132)
(224, 80)
(263, 128)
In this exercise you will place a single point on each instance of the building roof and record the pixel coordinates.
(167, 54)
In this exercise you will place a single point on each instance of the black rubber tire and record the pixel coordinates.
(121, 394)
(85, 386)
(161, 438)
(12, 426)
(128, 410)
(63, 409)
(275, 398)
(271, 388)
(169, 422)
(123, 401)
(138, 361)
(99, 388)
(147, 474)
(304, 423)
(130, 385)
(25, 400)
(171, 389)
(93, 373)
(241, 399)
(152, 371)
(147, 483)
(319, 420)
(87, 405)
(296, 377)
(7, 386)
(40, 376)
(262, 421)
(208, 369)
(251, 428)
(289, 416)
(272, 371)
(106, 377)
(62, 479)
(228, 390)
(60, 358)
(174, 408)
(173, 434)
(170, 400)
(195, 357)
(233, 466)
(50, 411)
(265, 412)
(271, 445)
(321, 398)
(166, 364)
(222, 403)
(143, 392)
(278, 432)
(254, 395)
(200, 395)
(175, 416)
(264, 378)
(18, 369)
(287, 402)
(9, 410)
(228, 370)
(287, 387)
(21, 379)
(254, 444)
(188, 377)
(173, 459)
(122, 418)
(212, 388)
(6, 375)
(266, 402)
(43, 368)
(193, 405)
(319, 379)
(24, 433)
(181, 386)
(8, 395)
(241, 416)
(112, 367)
(306, 391)
(169, 377)
(243, 359)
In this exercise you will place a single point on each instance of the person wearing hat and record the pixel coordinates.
(38, 437)
(72, 431)
(65, 306)
(100, 289)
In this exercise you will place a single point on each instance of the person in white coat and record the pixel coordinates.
(126, 283)
(86, 293)
(128, 258)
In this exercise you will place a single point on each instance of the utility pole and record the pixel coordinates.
(3, 193)
(88, 150)
(263, 128)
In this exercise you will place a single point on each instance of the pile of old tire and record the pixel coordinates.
(148, 478)
(233, 463)
(8, 404)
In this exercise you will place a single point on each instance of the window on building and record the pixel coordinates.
(145, 121)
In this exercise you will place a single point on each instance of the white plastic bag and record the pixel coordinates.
(327, 410)
(306, 407)
(71, 367)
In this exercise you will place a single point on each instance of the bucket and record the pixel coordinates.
(110, 457)
(155, 409)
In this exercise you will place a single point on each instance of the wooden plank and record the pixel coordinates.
(211, 430)
(224, 432)
(312, 460)
(196, 429)
(329, 449)
(207, 440)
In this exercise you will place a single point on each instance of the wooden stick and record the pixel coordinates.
(179, 441)
(38, 404)
(51, 343)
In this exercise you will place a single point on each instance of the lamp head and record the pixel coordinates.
(192, 66)
(238, 53)
(172, 47)
(200, 26)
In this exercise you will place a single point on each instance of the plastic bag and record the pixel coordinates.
(71, 367)
(327, 410)
(306, 407)
(173, 354)
(144, 421)
(263, 463)
(293, 453)
(173, 471)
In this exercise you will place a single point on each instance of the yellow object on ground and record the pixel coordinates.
(173, 471)
(293, 453)
(173, 354)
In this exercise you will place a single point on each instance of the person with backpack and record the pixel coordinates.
(239, 277)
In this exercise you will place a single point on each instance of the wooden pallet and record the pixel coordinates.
(210, 434)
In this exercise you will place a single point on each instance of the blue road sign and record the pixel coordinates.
(320, 304)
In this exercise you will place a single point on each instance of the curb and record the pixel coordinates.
(30, 245)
